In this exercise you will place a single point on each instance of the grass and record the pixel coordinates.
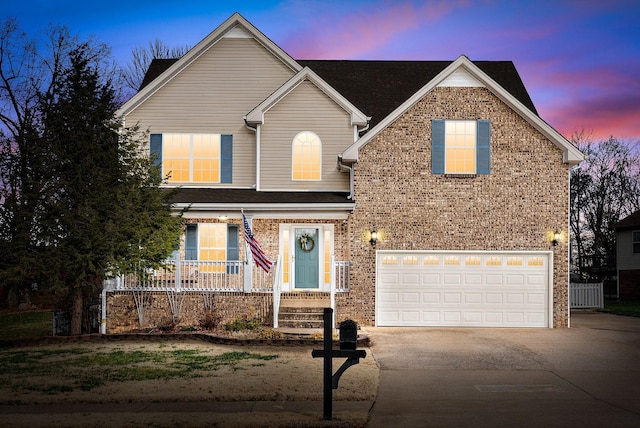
(25, 325)
(622, 307)
(53, 371)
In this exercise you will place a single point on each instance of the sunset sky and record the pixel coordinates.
(579, 59)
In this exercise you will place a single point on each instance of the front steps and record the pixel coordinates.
(302, 313)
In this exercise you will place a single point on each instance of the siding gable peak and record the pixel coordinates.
(235, 26)
(256, 116)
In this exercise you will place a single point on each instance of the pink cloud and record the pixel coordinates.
(361, 32)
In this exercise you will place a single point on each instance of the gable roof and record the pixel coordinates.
(379, 87)
(162, 71)
(257, 114)
(632, 220)
(571, 154)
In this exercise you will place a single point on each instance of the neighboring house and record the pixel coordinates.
(446, 163)
(628, 256)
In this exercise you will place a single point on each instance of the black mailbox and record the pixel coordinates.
(348, 334)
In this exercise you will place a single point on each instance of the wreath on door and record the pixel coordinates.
(306, 242)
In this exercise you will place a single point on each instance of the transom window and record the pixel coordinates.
(636, 241)
(460, 146)
(306, 157)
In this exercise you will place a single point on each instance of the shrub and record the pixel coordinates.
(243, 323)
(211, 319)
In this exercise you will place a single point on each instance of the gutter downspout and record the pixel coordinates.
(257, 131)
(344, 167)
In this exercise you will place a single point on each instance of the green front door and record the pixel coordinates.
(306, 261)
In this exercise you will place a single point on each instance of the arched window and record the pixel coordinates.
(306, 156)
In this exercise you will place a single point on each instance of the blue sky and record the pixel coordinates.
(579, 59)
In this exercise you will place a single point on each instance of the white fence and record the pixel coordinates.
(590, 295)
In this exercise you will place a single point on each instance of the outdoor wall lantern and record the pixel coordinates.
(374, 237)
(556, 238)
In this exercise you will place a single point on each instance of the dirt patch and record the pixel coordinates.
(292, 376)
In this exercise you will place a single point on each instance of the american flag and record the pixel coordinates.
(259, 256)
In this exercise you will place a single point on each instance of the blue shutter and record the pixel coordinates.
(233, 250)
(226, 158)
(483, 149)
(191, 242)
(155, 149)
(437, 146)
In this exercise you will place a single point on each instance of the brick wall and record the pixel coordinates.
(514, 208)
(122, 313)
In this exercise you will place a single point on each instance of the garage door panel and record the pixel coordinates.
(463, 289)
(409, 279)
(452, 279)
(494, 279)
(473, 279)
(410, 298)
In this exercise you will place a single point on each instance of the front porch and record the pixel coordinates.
(208, 284)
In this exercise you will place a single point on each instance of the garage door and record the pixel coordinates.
(463, 289)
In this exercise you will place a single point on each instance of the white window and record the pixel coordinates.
(306, 157)
(191, 158)
(460, 146)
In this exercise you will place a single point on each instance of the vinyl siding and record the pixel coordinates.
(306, 108)
(627, 259)
(213, 94)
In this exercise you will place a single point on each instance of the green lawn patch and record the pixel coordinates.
(622, 307)
(52, 371)
(25, 325)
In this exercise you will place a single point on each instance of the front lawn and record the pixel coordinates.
(622, 307)
(25, 325)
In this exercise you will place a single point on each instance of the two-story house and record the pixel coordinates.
(408, 193)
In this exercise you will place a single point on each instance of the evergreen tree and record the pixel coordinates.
(81, 200)
(108, 214)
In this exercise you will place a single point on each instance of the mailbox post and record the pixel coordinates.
(348, 343)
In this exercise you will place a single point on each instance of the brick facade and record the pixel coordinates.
(514, 208)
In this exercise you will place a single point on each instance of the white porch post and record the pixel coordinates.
(176, 259)
(248, 265)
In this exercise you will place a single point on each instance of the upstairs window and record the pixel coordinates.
(306, 157)
(460, 146)
(636, 241)
(194, 158)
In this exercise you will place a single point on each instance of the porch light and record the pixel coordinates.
(556, 238)
(374, 237)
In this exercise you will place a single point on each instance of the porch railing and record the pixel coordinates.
(202, 275)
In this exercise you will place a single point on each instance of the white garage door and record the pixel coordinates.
(463, 289)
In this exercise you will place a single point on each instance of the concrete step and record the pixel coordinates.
(300, 324)
(305, 303)
(297, 310)
(303, 316)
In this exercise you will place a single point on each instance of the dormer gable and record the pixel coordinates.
(256, 116)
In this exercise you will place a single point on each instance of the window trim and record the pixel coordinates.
(483, 148)
(635, 241)
(225, 158)
(293, 157)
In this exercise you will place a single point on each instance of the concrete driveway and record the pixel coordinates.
(586, 376)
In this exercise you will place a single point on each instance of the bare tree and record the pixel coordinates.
(604, 189)
(141, 58)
